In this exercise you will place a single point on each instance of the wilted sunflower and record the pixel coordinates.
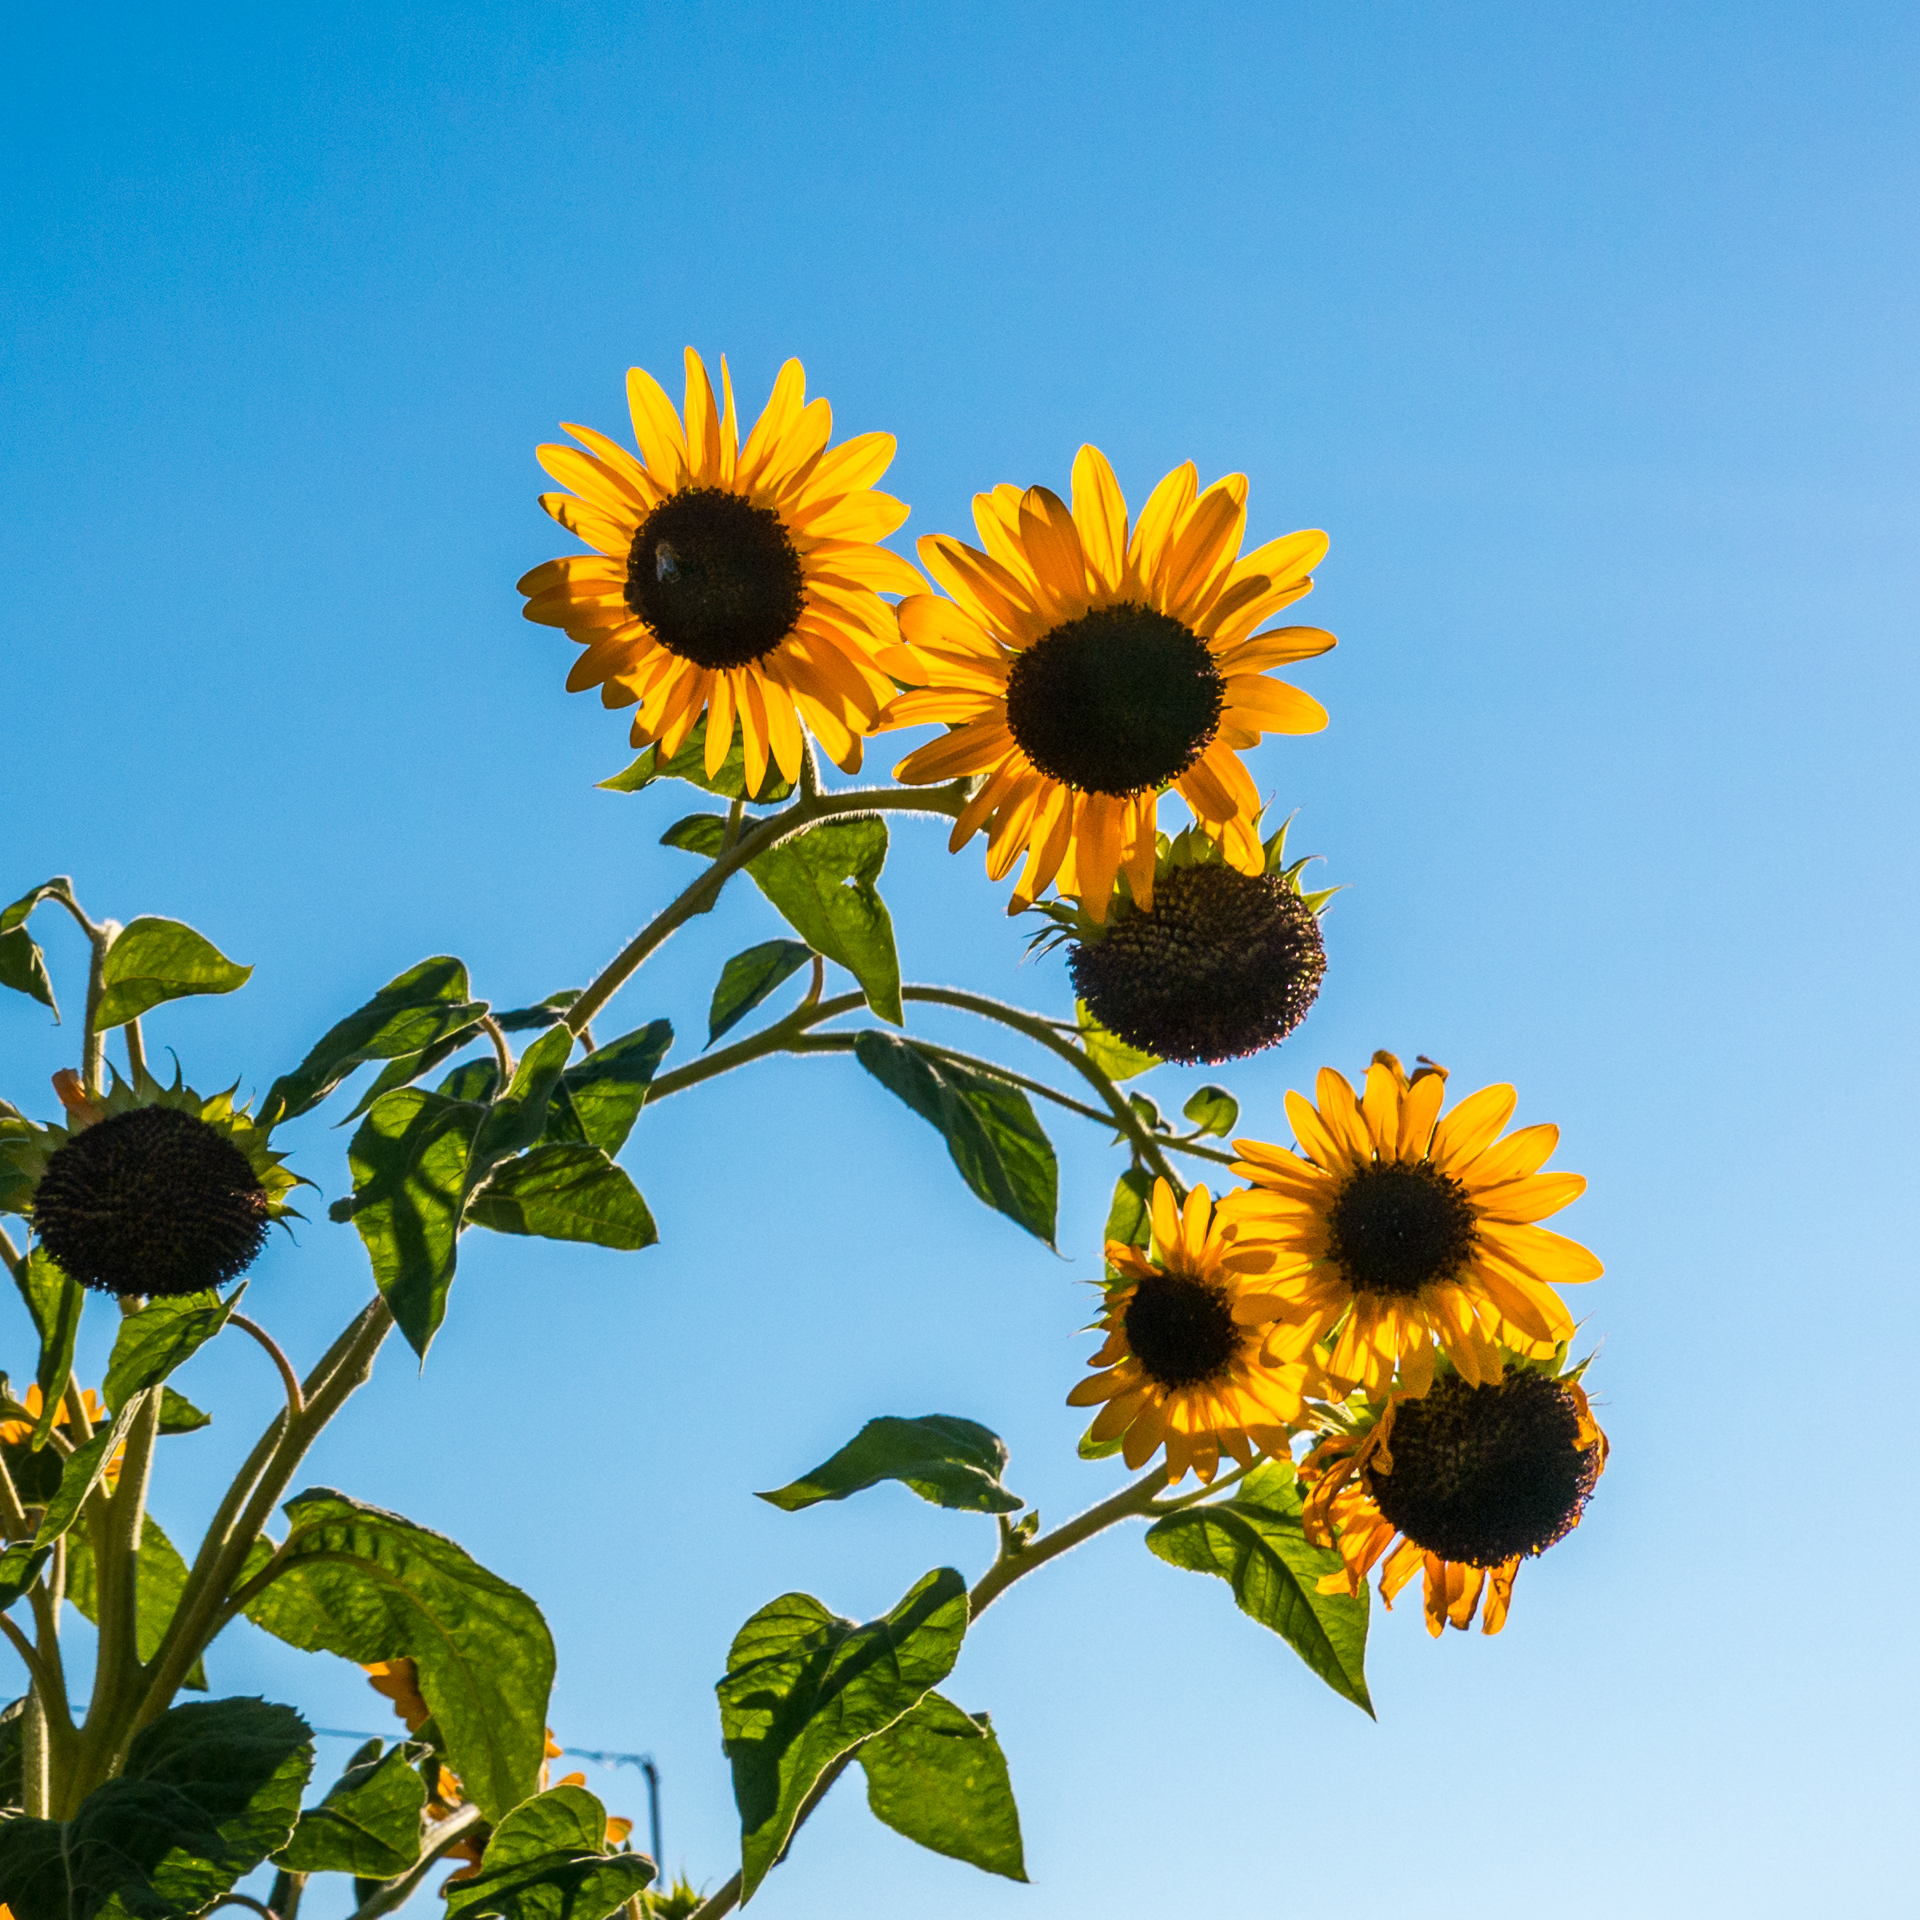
(1185, 1360)
(150, 1190)
(738, 582)
(1470, 1479)
(1087, 666)
(1393, 1227)
(1221, 965)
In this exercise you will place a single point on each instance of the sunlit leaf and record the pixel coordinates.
(157, 960)
(164, 1334)
(1213, 1110)
(1108, 1051)
(690, 764)
(548, 1860)
(565, 1192)
(369, 1822)
(937, 1775)
(823, 882)
(944, 1459)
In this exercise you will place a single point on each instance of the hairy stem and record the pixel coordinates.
(296, 1404)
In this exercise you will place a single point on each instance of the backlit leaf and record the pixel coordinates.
(165, 1333)
(944, 1459)
(599, 1098)
(748, 978)
(548, 1860)
(565, 1192)
(1213, 1110)
(156, 960)
(938, 1776)
(823, 882)
(368, 1824)
(1108, 1051)
(690, 764)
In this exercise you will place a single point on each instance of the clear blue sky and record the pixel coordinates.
(1589, 337)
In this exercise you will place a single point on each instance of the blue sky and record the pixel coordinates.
(1589, 340)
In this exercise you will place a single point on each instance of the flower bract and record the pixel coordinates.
(1185, 1364)
(1394, 1228)
(1086, 663)
(739, 582)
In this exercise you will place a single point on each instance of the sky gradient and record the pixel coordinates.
(1589, 339)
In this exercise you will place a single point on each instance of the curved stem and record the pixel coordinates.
(501, 1051)
(296, 1404)
(244, 1900)
(758, 838)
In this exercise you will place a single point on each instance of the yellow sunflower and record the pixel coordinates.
(1469, 1479)
(738, 582)
(1185, 1363)
(1393, 1227)
(1087, 665)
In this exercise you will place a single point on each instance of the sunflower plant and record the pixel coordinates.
(1356, 1358)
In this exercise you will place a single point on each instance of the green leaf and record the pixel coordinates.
(518, 1117)
(542, 1014)
(1213, 1110)
(159, 1338)
(23, 967)
(565, 1192)
(178, 1414)
(409, 1159)
(1000, 1148)
(79, 1476)
(155, 960)
(822, 881)
(160, 1577)
(1108, 1051)
(368, 1824)
(938, 1776)
(946, 1460)
(548, 1860)
(55, 1303)
(409, 1014)
(474, 1080)
(207, 1792)
(367, 1585)
(690, 764)
(600, 1097)
(415, 1066)
(1129, 1219)
(20, 1566)
(748, 978)
(1255, 1541)
(804, 1686)
(16, 914)
(701, 833)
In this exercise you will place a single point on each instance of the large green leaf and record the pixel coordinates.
(160, 1337)
(565, 1193)
(690, 764)
(548, 1860)
(599, 1098)
(804, 1687)
(1108, 1051)
(80, 1475)
(1254, 1540)
(748, 978)
(368, 1824)
(410, 1159)
(368, 1585)
(989, 1128)
(55, 1302)
(208, 1791)
(409, 1014)
(944, 1459)
(938, 1776)
(160, 1577)
(823, 883)
(154, 960)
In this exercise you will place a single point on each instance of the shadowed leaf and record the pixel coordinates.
(548, 1860)
(944, 1459)
(748, 978)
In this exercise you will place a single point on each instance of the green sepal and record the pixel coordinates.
(1002, 1151)
(1255, 1540)
(369, 1822)
(937, 1775)
(548, 1860)
(690, 765)
(804, 1686)
(153, 960)
(748, 978)
(208, 1791)
(354, 1580)
(945, 1460)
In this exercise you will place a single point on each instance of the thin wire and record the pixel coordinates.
(642, 1761)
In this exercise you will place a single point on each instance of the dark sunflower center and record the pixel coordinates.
(154, 1201)
(1400, 1227)
(1181, 1329)
(1117, 701)
(715, 577)
(1225, 964)
(1481, 1474)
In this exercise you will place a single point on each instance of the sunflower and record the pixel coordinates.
(742, 583)
(1393, 1227)
(150, 1189)
(1184, 1361)
(1086, 666)
(1470, 1479)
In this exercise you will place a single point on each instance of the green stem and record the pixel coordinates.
(501, 1051)
(136, 1051)
(11, 1257)
(758, 838)
(396, 1892)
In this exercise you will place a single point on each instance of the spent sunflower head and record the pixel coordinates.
(1222, 964)
(1086, 664)
(1461, 1483)
(742, 582)
(149, 1189)
(1186, 1362)
(1393, 1227)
